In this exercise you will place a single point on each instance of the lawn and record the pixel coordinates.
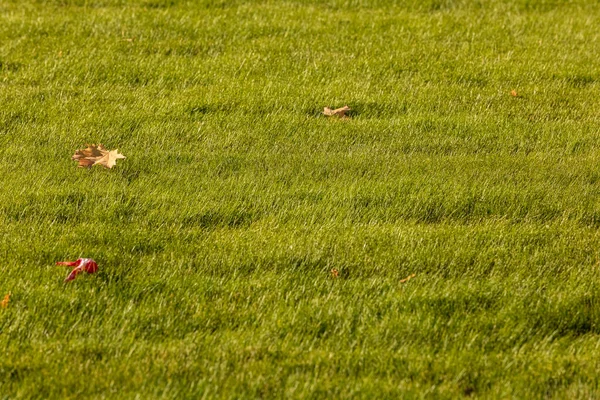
(250, 247)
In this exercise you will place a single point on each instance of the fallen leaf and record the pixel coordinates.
(97, 154)
(338, 112)
(4, 302)
(514, 93)
(408, 278)
(335, 273)
(81, 265)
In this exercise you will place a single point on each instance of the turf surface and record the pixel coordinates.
(216, 237)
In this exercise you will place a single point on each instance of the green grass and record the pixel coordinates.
(216, 236)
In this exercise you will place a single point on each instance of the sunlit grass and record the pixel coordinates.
(216, 237)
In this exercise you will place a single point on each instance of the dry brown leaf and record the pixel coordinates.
(97, 154)
(514, 93)
(338, 112)
(408, 278)
(4, 302)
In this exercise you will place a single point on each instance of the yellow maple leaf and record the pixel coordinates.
(97, 154)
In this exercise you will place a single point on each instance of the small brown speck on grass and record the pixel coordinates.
(5, 301)
(338, 112)
(408, 278)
